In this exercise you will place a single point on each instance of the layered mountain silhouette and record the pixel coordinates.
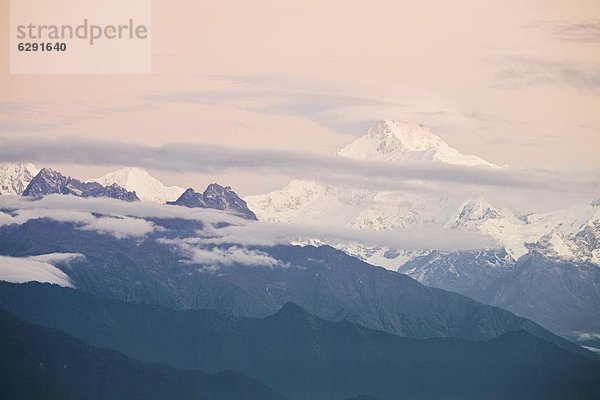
(322, 280)
(41, 363)
(306, 357)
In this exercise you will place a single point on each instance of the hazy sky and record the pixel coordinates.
(514, 82)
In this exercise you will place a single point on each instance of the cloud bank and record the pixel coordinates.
(119, 227)
(269, 234)
(124, 219)
(103, 215)
(219, 159)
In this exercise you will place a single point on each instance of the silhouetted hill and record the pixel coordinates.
(41, 363)
(306, 357)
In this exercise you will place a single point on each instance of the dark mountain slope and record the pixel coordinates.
(306, 357)
(41, 363)
(325, 281)
(562, 295)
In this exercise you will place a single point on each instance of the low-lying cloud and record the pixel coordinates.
(216, 247)
(269, 234)
(221, 230)
(117, 226)
(80, 208)
(36, 268)
(58, 258)
(213, 258)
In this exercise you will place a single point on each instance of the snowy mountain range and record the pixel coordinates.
(122, 184)
(48, 181)
(570, 234)
(553, 257)
(312, 202)
(14, 178)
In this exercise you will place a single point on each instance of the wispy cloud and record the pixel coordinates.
(587, 335)
(343, 108)
(582, 31)
(213, 258)
(58, 258)
(22, 116)
(528, 71)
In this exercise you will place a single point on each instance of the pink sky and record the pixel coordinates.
(513, 82)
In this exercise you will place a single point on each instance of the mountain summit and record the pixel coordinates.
(14, 178)
(390, 141)
(142, 183)
(395, 141)
(216, 197)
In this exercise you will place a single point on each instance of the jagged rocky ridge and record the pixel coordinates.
(48, 182)
(216, 197)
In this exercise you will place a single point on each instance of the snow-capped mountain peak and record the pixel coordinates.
(394, 141)
(14, 177)
(474, 212)
(316, 203)
(142, 183)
